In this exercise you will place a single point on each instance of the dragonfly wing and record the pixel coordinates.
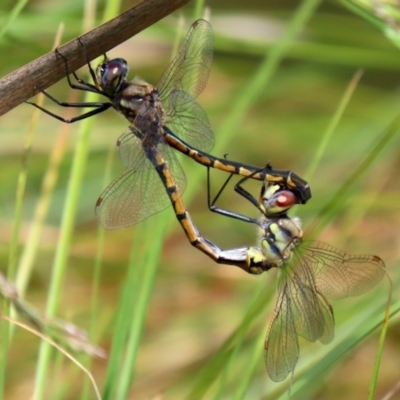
(338, 274)
(328, 318)
(131, 198)
(130, 151)
(188, 121)
(190, 68)
(281, 344)
(300, 311)
(312, 314)
(138, 194)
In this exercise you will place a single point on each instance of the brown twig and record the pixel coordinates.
(48, 69)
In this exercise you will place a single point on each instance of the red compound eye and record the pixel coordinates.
(285, 199)
(279, 203)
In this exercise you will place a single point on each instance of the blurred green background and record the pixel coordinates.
(195, 305)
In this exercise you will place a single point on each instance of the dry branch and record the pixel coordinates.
(48, 69)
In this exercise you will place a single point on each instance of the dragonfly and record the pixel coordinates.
(310, 274)
(162, 118)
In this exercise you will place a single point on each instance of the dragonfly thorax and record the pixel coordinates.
(139, 100)
(279, 238)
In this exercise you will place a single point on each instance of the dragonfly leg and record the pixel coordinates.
(91, 71)
(222, 211)
(100, 107)
(85, 86)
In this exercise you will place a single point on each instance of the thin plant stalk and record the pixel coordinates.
(67, 228)
(150, 268)
(258, 83)
(331, 208)
(382, 337)
(333, 124)
(253, 362)
(101, 242)
(59, 348)
(12, 16)
(20, 194)
(124, 311)
(212, 369)
(62, 252)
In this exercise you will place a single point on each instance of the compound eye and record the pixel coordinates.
(111, 74)
(280, 202)
(286, 198)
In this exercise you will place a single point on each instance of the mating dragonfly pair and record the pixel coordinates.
(167, 117)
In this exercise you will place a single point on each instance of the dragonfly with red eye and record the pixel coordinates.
(309, 273)
(162, 118)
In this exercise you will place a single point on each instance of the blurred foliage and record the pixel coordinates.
(197, 307)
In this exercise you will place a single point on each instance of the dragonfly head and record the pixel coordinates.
(275, 200)
(111, 74)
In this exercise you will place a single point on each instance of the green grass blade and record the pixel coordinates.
(101, 241)
(332, 207)
(332, 126)
(129, 296)
(14, 246)
(249, 371)
(362, 12)
(67, 228)
(213, 368)
(259, 81)
(198, 10)
(382, 337)
(234, 355)
(150, 268)
(12, 16)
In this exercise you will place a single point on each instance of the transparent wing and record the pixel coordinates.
(130, 151)
(338, 274)
(317, 270)
(281, 344)
(313, 315)
(188, 121)
(137, 194)
(190, 68)
(300, 311)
